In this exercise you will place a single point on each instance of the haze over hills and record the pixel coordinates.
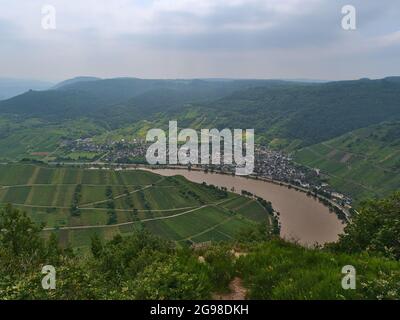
(12, 87)
(310, 113)
(74, 80)
(282, 112)
(285, 114)
(127, 94)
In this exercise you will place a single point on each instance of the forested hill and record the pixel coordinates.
(128, 91)
(74, 81)
(51, 105)
(284, 114)
(12, 87)
(311, 113)
(107, 98)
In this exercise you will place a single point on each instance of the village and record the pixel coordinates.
(269, 164)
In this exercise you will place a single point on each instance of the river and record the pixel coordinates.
(302, 218)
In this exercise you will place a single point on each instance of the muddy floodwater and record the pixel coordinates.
(302, 218)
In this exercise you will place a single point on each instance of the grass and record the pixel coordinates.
(253, 210)
(82, 155)
(185, 226)
(279, 270)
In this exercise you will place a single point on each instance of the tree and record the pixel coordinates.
(97, 246)
(19, 234)
(376, 228)
(53, 250)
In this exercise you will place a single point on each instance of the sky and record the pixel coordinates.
(269, 39)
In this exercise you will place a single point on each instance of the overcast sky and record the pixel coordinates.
(199, 39)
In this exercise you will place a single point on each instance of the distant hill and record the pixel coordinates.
(74, 81)
(285, 114)
(51, 105)
(120, 90)
(12, 87)
(305, 114)
(111, 97)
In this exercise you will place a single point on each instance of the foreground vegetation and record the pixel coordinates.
(142, 266)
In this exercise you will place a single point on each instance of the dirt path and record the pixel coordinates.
(122, 195)
(208, 230)
(133, 222)
(238, 292)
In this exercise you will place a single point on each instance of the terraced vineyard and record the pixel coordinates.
(77, 202)
(363, 163)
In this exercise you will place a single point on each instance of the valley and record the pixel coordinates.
(191, 156)
(303, 121)
(304, 138)
(73, 160)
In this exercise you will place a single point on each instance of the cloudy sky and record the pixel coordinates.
(199, 39)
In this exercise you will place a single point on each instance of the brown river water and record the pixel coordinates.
(302, 218)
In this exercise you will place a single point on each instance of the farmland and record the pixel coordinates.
(76, 203)
(363, 163)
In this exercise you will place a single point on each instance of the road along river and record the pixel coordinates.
(302, 218)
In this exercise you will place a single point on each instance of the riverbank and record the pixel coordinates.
(304, 218)
(345, 212)
(342, 212)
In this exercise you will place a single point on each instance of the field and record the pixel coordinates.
(38, 139)
(76, 203)
(363, 163)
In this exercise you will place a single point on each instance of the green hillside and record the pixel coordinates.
(35, 122)
(12, 87)
(53, 105)
(285, 115)
(105, 99)
(77, 203)
(305, 114)
(291, 113)
(37, 138)
(362, 163)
